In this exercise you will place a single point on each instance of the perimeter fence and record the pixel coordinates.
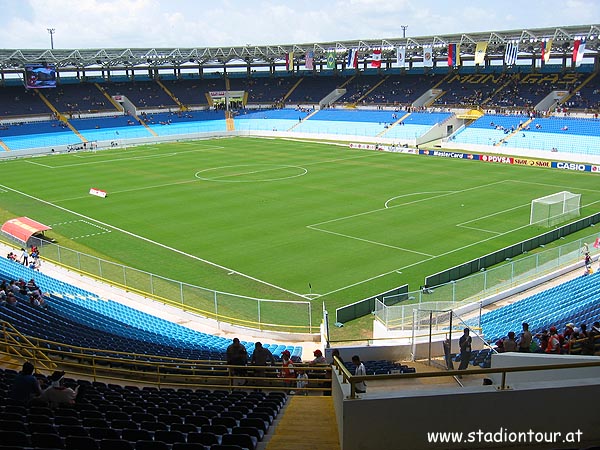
(288, 316)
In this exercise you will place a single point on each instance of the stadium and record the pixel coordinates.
(371, 197)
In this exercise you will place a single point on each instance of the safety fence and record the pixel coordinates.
(288, 316)
(472, 289)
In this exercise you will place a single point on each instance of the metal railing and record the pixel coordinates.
(116, 366)
(347, 377)
(290, 316)
(474, 288)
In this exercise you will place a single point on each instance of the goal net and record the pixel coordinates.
(553, 209)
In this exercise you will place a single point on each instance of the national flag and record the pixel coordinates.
(510, 55)
(546, 46)
(309, 60)
(597, 243)
(428, 55)
(376, 58)
(289, 61)
(578, 50)
(352, 57)
(480, 50)
(453, 55)
(401, 56)
(331, 59)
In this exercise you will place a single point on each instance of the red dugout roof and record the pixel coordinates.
(22, 228)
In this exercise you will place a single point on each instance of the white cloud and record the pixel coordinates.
(204, 23)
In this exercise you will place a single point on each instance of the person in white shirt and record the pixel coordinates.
(57, 394)
(361, 386)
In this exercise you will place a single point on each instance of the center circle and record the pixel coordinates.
(250, 173)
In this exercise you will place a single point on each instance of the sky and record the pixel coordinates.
(200, 23)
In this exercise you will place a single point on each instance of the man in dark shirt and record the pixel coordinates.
(260, 357)
(465, 349)
(25, 385)
(237, 356)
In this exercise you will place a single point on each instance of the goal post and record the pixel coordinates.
(554, 209)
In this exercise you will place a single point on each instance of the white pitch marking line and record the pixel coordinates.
(39, 164)
(415, 193)
(150, 155)
(478, 229)
(371, 242)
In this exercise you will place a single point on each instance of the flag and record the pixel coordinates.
(510, 55)
(376, 62)
(453, 55)
(480, 50)
(331, 59)
(578, 49)
(352, 57)
(597, 243)
(289, 61)
(546, 46)
(427, 56)
(401, 56)
(309, 60)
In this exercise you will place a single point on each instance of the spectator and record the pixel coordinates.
(543, 338)
(319, 358)
(510, 344)
(589, 347)
(361, 386)
(464, 343)
(14, 287)
(25, 385)
(11, 299)
(31, 286)
(237, 355)
(24, 257)
(287, 369)
(335, 352)
(302, 380)
(569, 331)
(261, 357)
(57, 394)
(35, 299)
(525, 339)
(447, 345)
(553, 346)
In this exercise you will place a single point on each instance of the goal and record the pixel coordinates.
(555, 208)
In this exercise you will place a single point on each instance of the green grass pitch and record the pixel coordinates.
(268, 218)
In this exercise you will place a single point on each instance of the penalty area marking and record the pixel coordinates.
(414, 193)
(303, 171)
(102, 229)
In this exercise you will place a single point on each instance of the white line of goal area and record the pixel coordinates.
(150, 241)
